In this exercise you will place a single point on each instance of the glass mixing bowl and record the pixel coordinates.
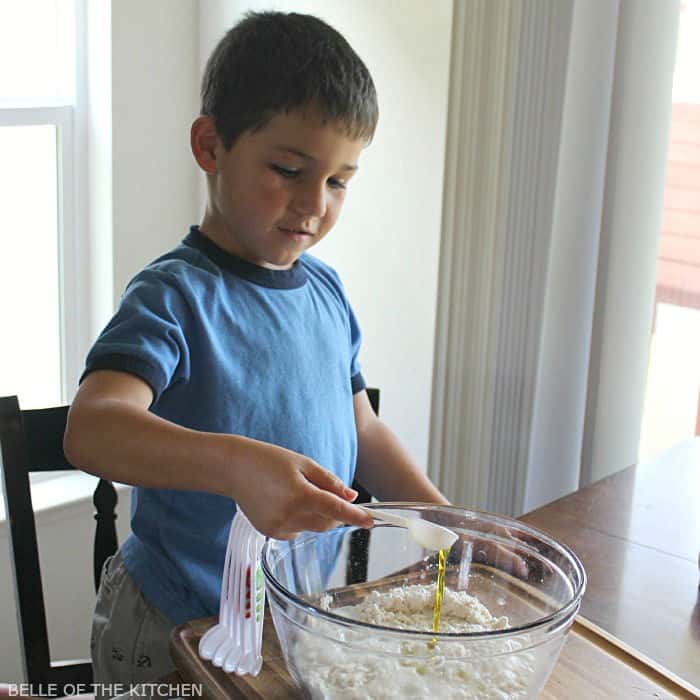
(317, 583)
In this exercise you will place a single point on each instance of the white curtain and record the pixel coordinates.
(558, 124)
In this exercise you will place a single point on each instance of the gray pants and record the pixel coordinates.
(129, 641)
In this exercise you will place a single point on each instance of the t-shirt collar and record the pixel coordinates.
(291, 278)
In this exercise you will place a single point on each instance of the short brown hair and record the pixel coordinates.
(273, 62)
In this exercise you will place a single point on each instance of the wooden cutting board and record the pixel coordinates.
(590, 666)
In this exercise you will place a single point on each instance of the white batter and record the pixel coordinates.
(336, 671)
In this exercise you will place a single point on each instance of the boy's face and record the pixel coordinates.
(279, 190)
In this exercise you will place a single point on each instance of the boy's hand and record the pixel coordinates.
(283, 493)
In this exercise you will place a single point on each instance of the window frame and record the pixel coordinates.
(69, 118)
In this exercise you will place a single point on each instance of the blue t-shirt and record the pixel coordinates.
(229, 347)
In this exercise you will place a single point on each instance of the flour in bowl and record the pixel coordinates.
(337, 663)
(411, 607)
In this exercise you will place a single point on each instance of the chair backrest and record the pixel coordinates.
(364, 495)
(32, 441)
(356, 571)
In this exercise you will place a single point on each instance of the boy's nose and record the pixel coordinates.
(311, 201)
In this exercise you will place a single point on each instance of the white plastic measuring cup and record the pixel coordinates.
(427, 534)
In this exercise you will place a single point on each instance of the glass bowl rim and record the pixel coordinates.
(561, 615)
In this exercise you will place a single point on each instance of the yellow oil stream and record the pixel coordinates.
(439, 592)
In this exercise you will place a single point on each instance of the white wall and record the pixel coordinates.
(154, 100)
(567, 316)
(386, 244)
(631, 222)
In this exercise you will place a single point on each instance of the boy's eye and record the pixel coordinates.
(284, 172)
(291, 173)
(336, 184)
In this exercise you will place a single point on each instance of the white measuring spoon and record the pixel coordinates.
(216, 634)
(228, 641)
(237, 641)
(246, 649)
(427, 534)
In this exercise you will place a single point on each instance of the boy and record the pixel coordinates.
(229, 375)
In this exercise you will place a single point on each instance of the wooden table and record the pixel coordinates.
(638, 535)
(589, 668)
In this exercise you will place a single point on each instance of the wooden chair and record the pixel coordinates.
(32, 441)
(356, 571)
(364, 496)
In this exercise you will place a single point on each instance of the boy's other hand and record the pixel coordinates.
(284, 493)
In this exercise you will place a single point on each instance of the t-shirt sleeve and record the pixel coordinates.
(146, 336)
(357, 381)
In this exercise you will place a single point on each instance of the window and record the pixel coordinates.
(41, 152)
(672, 402)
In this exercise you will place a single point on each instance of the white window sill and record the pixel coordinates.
(53, 497)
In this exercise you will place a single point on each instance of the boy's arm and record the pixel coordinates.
(112, 434)
(384, 467)
(388, 473)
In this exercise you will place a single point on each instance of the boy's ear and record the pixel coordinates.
(203, 141)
